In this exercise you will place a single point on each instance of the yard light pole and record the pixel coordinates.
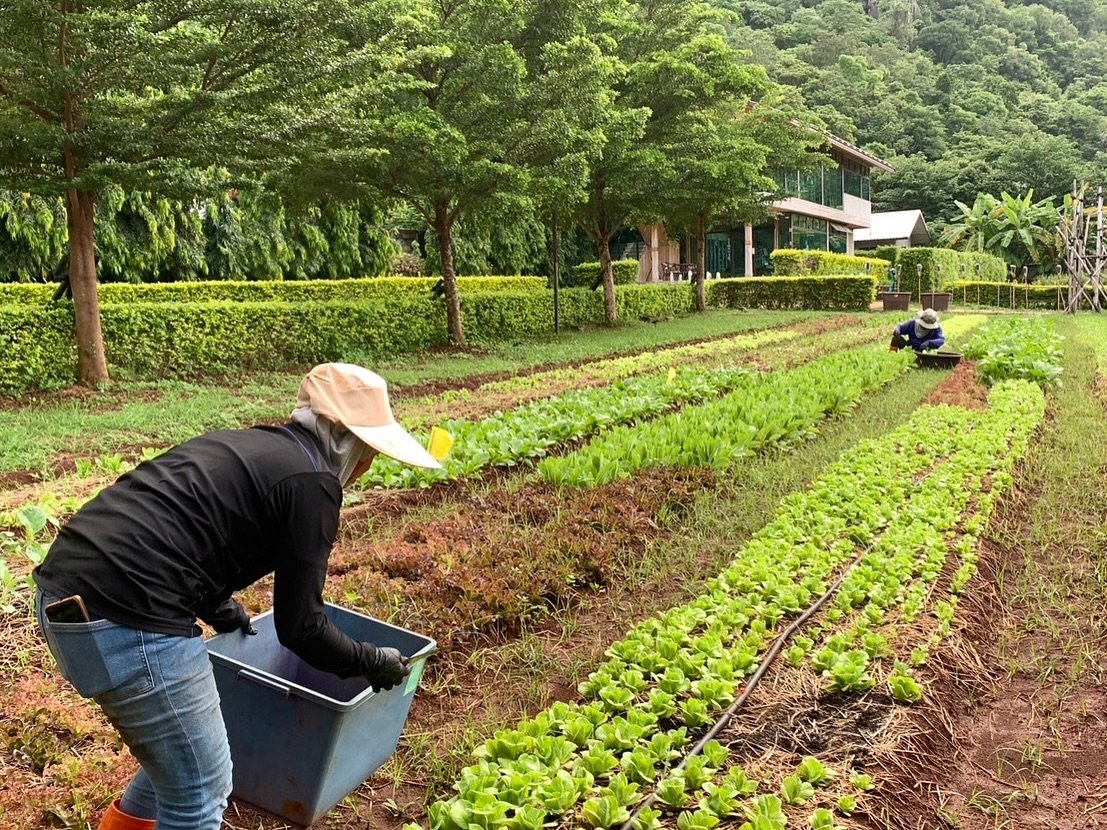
(556, 275)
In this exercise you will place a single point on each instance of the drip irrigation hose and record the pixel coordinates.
(770, 656)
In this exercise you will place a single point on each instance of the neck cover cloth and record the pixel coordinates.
(341, 447)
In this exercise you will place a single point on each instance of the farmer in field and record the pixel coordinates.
(127, 577)
(921, 334)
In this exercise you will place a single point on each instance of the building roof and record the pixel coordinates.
(896, 224)
(840, 144)
(857, 153)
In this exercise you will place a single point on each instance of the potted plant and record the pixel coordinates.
(937, 300)
(895, 300)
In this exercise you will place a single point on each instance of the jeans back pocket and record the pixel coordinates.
(102, 659)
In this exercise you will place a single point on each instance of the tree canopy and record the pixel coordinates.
(961, 98)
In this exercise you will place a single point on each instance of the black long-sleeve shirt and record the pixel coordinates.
(172, 539)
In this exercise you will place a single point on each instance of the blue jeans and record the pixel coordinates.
(159, 692)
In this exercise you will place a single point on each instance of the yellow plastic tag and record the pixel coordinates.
(440, 444)
(671, 376)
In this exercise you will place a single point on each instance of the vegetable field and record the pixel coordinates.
(777, 577)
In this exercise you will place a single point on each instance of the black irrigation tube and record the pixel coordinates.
(770, 656)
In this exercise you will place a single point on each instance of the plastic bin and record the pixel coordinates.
(301, 739)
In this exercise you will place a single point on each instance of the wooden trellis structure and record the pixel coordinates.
(1082, 230)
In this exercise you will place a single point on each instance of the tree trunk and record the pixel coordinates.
(609, 309)
(701, 263)
(443, 227)
(92, 365)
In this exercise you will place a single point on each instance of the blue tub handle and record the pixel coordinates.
(264, 680)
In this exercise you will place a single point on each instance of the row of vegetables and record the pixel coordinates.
(421, 412)
(762, 410)
(894, 507)
(758, 410)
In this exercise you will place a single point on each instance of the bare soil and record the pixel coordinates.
(961, 388)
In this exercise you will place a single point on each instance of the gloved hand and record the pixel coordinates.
(388, 670)
(229, 616)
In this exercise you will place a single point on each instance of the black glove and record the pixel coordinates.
(388, 668)
(229, 616)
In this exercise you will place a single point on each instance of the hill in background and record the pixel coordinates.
(960, 97)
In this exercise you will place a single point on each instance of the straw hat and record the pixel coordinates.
(358, 400)
(928, 318)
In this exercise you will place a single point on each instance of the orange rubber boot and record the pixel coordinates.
(116, 819)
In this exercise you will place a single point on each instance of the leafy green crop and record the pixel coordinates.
(529, 431)
(794, 790)
(762, 410)
(813, 771)
(894, 498)
(1018, 349)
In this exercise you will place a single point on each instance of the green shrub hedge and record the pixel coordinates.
(789, 262)
(624, 272)
(1009, 294)
(848, 292)
(991, 268)
(888, 252)
(291, 291)
(166, 339)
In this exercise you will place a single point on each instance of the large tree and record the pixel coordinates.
(501, 105)
(673, 124)
(718, 166)
(149, 95)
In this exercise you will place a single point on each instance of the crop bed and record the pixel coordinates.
(891, 504)
(583, 474)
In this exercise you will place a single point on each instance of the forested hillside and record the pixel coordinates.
(959, 96)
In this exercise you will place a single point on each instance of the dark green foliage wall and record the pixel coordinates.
(142, 238)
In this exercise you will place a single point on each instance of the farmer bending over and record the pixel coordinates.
(921, 334)
(170, 541)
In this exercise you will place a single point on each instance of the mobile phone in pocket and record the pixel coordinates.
(69, 610)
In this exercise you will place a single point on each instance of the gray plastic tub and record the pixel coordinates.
(301, 739)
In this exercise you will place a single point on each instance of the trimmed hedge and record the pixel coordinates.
(848, 292)
(624, 272)
(291, 291)
(789, 262)
(888, 252)
(1009, 294)
(991, 268)
(165, 339)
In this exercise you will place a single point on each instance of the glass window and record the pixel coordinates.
(865, 185)
(851, 180)
(811, 185)
(837, 241)
(809, 234)
(832, 188)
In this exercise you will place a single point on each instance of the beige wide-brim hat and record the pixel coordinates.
(358, 400)
(928, 319)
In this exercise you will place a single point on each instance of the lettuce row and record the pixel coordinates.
(588, 762)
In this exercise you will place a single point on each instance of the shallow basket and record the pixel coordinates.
(937, 360)
(301, 739)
